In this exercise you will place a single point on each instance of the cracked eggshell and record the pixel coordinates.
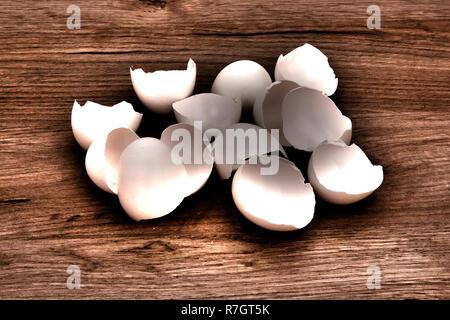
(279, 202)
(93, 120)
(159, 89)
(150, 184)
(342, 174)
(215, 111)
(198, 161)
(102, 158)
(243, 79)
(310, 117)
(268, 106)
(116, 142)
(307, 66)
(240, 130)
(95, 163)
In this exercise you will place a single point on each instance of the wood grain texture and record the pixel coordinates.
(393, 84)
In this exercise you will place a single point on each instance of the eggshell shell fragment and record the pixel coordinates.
(310, 117)
(199, 160)
(116, 142)
(150, 185)
(93, 120)
(265, 143)
(307, 66)
(215, 111)
(279, 202)
(95, 163)
(242, 79)
(158, 90)
(342, 174)
(268, 106)
(102, 158)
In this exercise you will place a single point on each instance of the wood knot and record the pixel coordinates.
(155, 3)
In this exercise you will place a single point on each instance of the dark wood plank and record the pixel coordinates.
(393, 84)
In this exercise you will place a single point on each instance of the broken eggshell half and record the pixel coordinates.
(150, 184)
(280, 201)
(102, 158)
(268, 106)
(240, 142)
(307, 66)
(188, 147)
(309, 117)
(243, 79)
(93, 120)
(342, 174)
(213, 110)
(159, 89)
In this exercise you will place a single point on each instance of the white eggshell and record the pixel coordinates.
(93, 120)
(279, 202)
(95, 163)
(268, 106)
(228, 147)
(242, 79)
(307, 66)
(158, 90)
(116, 143)
(342, 174)
(102, 158)
(309, 117)
(150, 185)
(197, 160)
(213, 110)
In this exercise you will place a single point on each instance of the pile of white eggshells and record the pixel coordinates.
(150, 185)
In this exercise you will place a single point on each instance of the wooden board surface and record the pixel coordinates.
(393, 84)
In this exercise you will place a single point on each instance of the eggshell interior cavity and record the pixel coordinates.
(268, 106)
(95, 163)
(342, 174)
(116, 142)
(309, 118)
(242, 79)
(102, 158)
(198, 160)
(238, 147)
(307, 66)
(279, 202)
(93, 120)
(150, 185)
(159, 89)
(213, 110)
